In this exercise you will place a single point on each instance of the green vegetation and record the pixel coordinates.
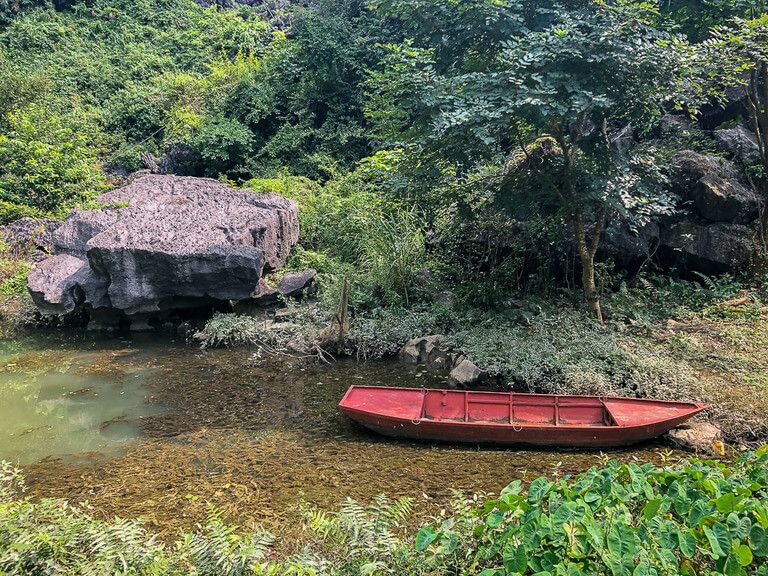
(402, 128)
(698, 517)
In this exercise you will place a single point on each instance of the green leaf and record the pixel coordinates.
(699, 511)
(738, 526)
(719, 540)
(726, 503)
(512, 488)
(425, 537)
(732, 566)
(744, 554)
(495, 518)
(651, 508)
(642, 568)
(758, 540)
(515, 558)
(621, 541)
(538, 489)
(687, 543)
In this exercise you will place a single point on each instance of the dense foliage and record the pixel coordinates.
(699, 517)
(402, 128)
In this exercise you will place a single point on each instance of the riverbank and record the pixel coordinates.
(145, 427)
(670, 339)
(613, 517)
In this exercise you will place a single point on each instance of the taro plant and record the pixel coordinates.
(624, 519)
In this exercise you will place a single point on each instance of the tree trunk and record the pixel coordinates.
(587, 251)
(589, 286)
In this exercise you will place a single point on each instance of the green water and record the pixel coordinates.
(58, 408)
(154, 427)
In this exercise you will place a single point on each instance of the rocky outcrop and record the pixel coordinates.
(441, 358)
(713, 230)
(32, 236)
(712, 187)
(739, 143)
(711, 248)
(293, 285)
(165, 242)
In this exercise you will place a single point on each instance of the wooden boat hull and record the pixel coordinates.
(509, 418)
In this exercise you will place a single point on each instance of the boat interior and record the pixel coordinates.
(513, 409)
(510, 408)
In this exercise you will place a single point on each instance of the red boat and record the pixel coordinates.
(511, 418)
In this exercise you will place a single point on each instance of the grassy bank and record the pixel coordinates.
(698, 517)
(668, 339)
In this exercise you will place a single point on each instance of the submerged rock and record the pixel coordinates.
(165, 242)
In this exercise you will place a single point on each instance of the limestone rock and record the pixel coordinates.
(166, 242)
(32, 236)
(295, 284)
(418, 350)
(55, 284)
(465, 374)
(709, 248)
(626, 246)
(740, 143)
(672, 124)
(700, 437)
(712, 188)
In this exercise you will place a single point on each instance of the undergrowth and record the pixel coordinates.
(697, 517)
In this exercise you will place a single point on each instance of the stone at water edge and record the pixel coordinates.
(62, 283)
(699, 437)
(418, 350)
(166, 242)
(465, 373)
(438, 357)
(296, 283)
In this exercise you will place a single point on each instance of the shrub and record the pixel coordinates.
(562, 351)
(383, 331)
(46, 162)
(695, 518)
(10, 212)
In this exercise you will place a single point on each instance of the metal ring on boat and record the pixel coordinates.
(416, 422)
(517, 427)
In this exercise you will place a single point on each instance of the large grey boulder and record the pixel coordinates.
(740, 143)
(165, 242)
(712, 188)
(708, 248)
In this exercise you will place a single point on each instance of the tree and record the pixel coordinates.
(696, 18)
(737, 55)
(558, 99)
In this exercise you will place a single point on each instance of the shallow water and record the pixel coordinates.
(157, 428)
